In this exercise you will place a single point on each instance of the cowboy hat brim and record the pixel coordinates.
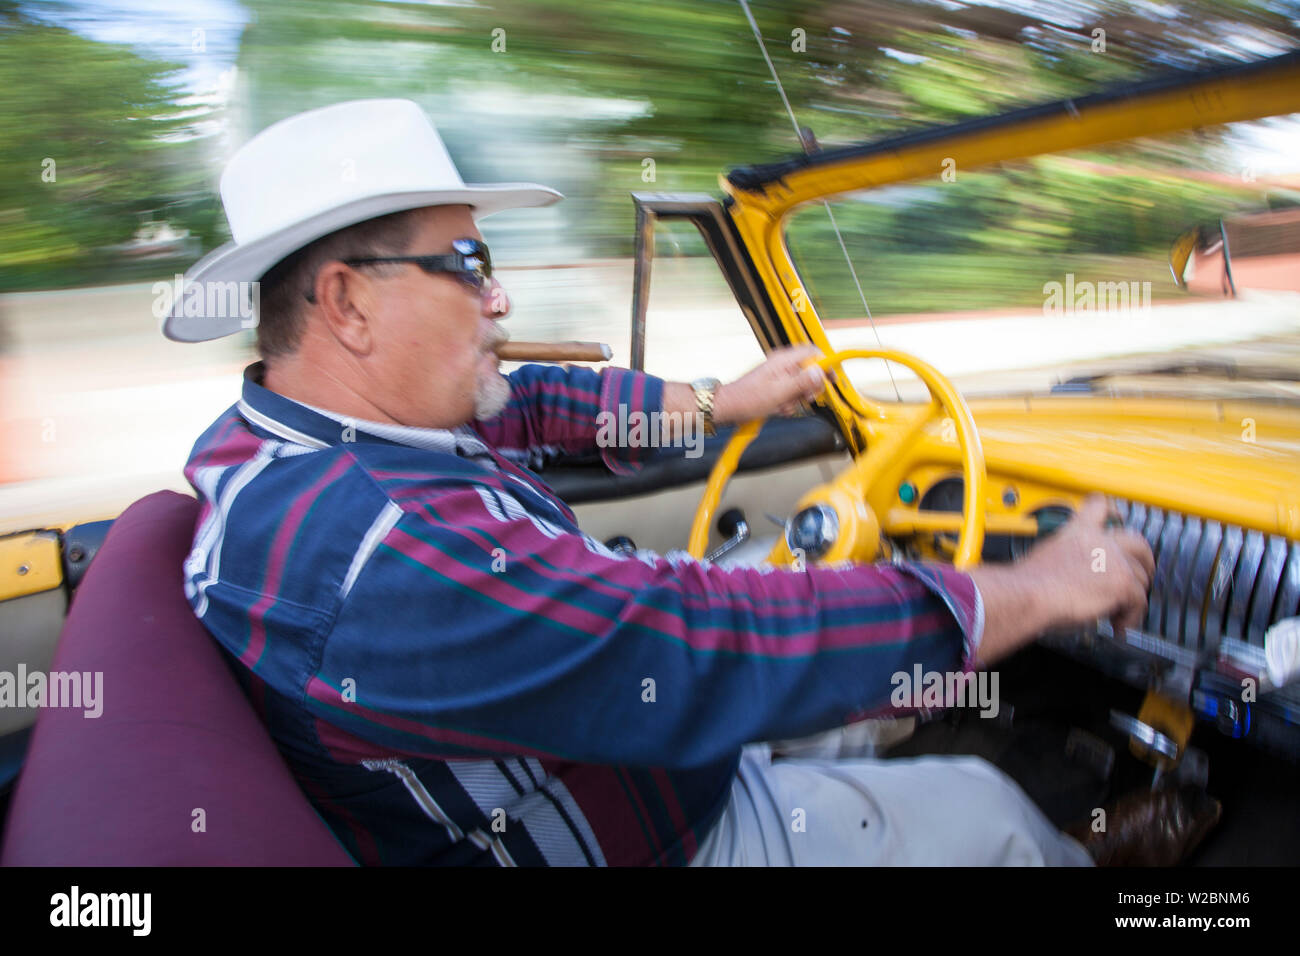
(248, 262)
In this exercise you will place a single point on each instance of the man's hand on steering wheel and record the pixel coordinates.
(775, 387)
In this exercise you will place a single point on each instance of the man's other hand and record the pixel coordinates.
(1100, 571)
(1089, 569)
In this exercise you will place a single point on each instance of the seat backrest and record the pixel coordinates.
(177, 769)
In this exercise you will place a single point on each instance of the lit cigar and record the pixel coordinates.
(554, 352)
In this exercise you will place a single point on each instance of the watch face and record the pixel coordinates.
(710, 383)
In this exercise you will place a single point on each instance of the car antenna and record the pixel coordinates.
(809, 145)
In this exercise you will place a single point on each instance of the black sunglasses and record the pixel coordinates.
(471, 262)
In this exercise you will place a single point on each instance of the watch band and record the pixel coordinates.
(706, 390)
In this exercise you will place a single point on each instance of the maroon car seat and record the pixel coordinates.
(178, 769)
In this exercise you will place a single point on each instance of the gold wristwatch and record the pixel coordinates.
(706, 390)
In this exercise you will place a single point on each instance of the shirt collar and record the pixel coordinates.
(320, 428)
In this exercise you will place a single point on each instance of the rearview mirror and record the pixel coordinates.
(1180, 254)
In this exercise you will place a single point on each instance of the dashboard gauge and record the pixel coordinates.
(944, 495)
(948, 495)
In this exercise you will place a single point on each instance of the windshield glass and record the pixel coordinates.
(1055, 271)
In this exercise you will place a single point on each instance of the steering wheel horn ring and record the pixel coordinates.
(944, 400)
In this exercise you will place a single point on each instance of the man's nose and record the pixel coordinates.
(496, 303)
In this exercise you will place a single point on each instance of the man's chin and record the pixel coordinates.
(491, 397)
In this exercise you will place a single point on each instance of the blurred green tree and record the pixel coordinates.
(580, 95)
(852, 71)
(93, 141)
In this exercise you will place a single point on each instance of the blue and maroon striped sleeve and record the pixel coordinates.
(478, 630)
(553, 410)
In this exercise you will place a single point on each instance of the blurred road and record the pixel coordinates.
(97, 408)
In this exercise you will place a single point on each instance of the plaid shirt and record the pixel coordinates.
(457, 674)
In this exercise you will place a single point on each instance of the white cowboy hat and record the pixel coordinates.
(308, 175)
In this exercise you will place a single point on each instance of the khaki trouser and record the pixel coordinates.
(921, 811)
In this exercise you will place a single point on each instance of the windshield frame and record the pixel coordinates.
(760, 199)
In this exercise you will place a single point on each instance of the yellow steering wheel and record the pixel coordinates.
(884, 445)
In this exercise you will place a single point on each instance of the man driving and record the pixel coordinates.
(454, 671)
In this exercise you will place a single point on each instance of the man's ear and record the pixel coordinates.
(344, 299)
